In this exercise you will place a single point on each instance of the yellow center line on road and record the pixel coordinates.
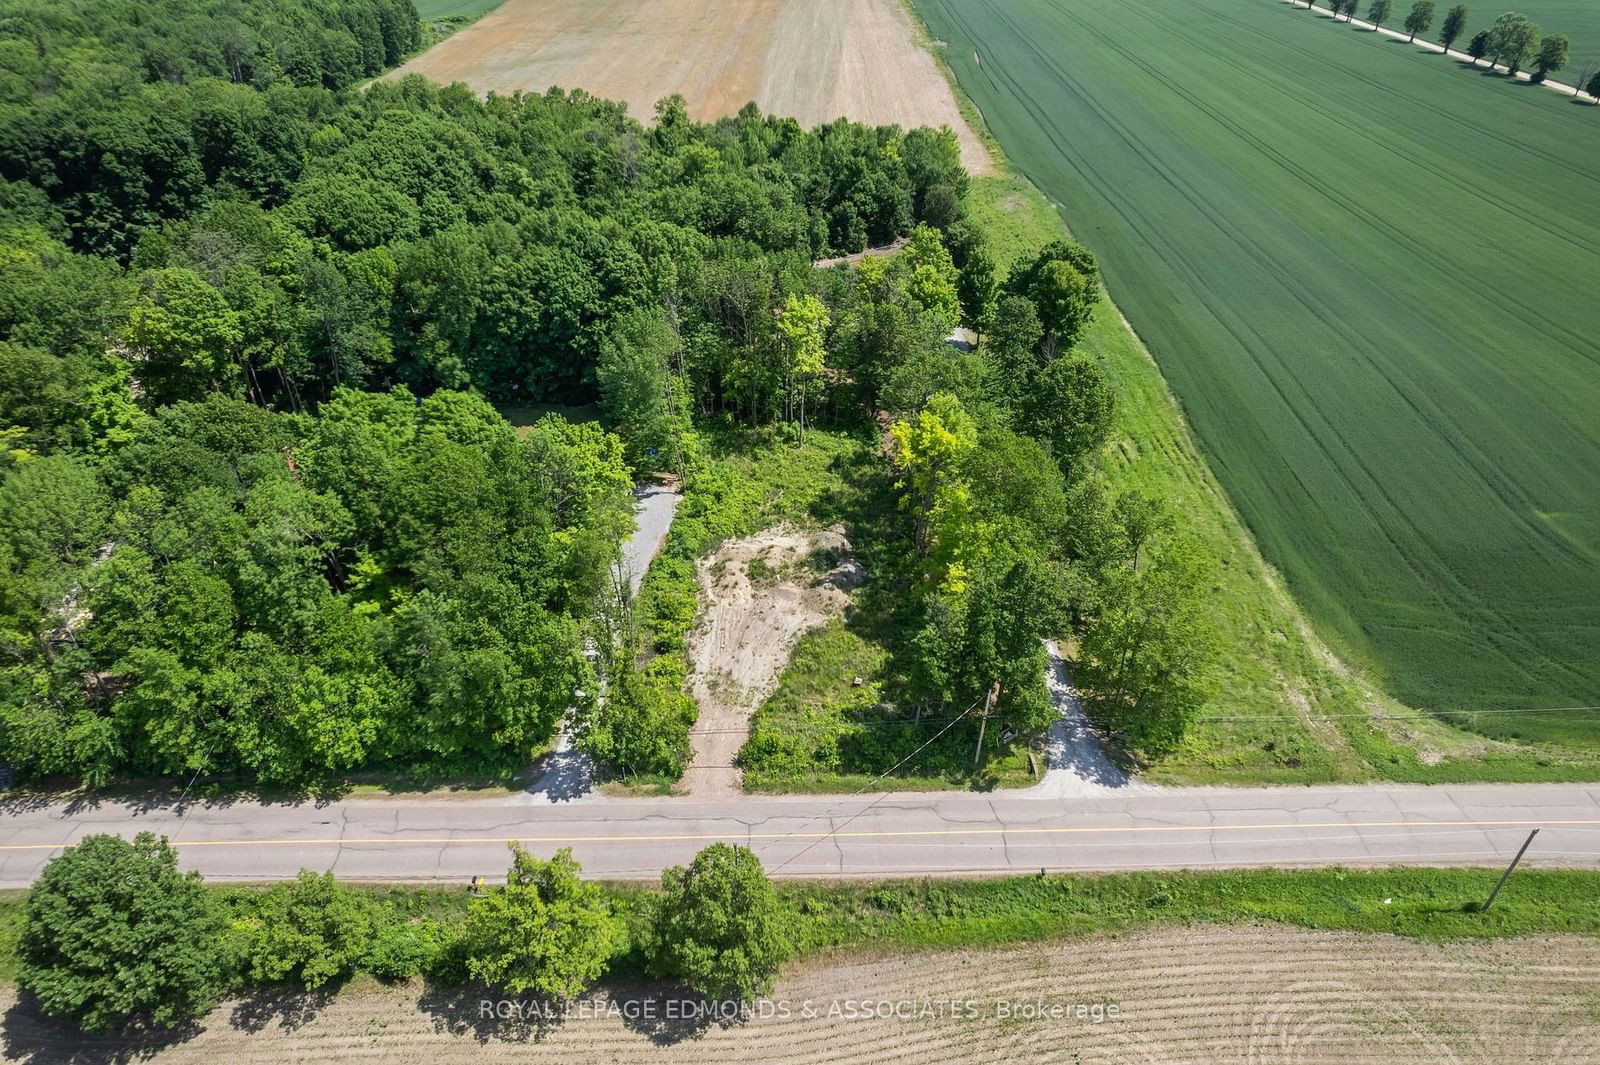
(862, 834)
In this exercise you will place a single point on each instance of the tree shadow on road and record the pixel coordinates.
(27, 1035)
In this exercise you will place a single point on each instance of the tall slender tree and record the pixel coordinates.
(1378, 13)
(1420, 18)
(1455, 24)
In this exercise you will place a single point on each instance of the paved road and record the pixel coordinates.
(452, 839)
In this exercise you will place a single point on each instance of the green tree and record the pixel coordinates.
(1419, 19)
(1063, 283)
(1011, 350)
(184, 338)
(719, 927)
(1070, 408)
(803, 326)
(314, 931)
(1511, 38)
(53, 511)
(1378, 13)
(1149, 655)
(987, 632)
(927, 454)
(112, 931)
(1593, 88)
(1455, 24)
(545, 931)
(932, 281)
(1478, 47)
(1551, 57)
(1139, 517)
(642, 391)
(642, 724)
(979, 289)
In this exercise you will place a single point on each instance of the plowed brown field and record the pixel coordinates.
(814, 60)
(1204, 995)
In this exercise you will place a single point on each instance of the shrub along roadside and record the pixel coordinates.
(718, 925)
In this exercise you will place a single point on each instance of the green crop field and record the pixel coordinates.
(1369, 275)
(428, 10)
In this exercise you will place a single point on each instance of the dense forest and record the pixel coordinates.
(260, 517)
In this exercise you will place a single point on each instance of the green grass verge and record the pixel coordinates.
(1422, 903)
(820, 733)
(1362, 268)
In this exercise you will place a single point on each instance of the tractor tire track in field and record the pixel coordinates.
(1328, 318)
(1477, 389)
(1458, 437)
(1262, 995)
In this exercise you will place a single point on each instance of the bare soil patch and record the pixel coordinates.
(814, 60)
(1206, 995)
(758, 596)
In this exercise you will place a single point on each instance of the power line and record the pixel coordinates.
(838, 828)
(900, 723)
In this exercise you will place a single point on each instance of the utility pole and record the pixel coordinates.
(1507, 874)
(983, 722)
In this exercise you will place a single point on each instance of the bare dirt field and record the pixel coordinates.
(758, 596)
(814, 60)
(1205, 995)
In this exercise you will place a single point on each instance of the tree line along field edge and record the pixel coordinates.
(1303, 254)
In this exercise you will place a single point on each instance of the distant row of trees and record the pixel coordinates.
(112, 932)
(1512, 41)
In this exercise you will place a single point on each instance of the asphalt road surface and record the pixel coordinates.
(921, 834)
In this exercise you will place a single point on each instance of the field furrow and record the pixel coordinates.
(1261, 995)
(1366, 272)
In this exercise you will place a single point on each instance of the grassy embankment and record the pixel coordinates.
(1361, 269)
(1435, 904)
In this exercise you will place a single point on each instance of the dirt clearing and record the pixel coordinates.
(814, 60)
(758, 596)
(1205, 995)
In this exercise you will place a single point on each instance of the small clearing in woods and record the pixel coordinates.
(812, 60)
(759, 595)
(1263, 995)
